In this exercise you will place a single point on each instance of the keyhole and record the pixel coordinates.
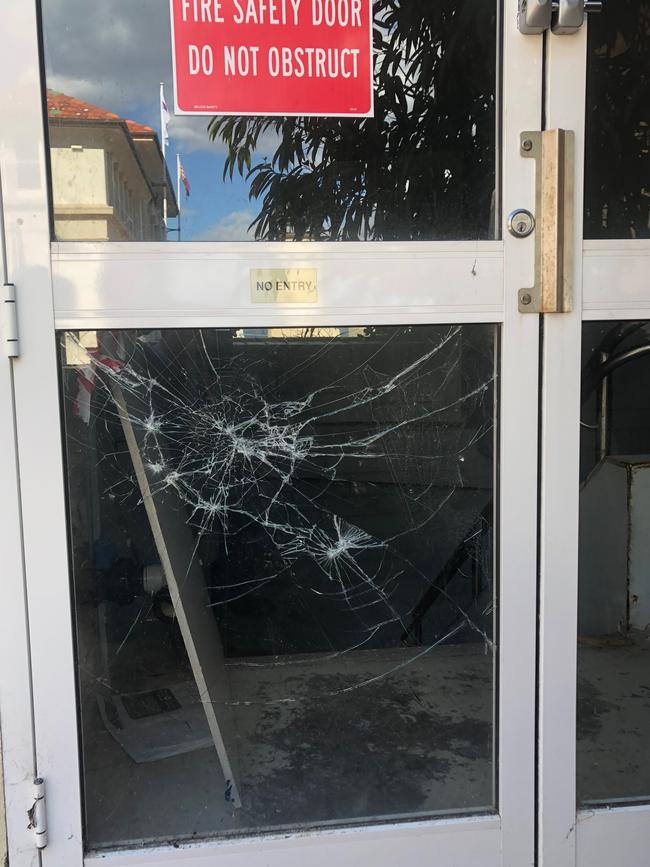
(521, 223)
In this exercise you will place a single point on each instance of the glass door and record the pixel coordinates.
(277, 431)
(594, 664)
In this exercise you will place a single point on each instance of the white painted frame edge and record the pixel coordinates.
(522, 110)
(42, 509)
(209, 284)
(619, 835)
(42, 501)
(16, 719)
(474, 839)
(560, 403)
(616, 279)
(263, 249)
(611, 281)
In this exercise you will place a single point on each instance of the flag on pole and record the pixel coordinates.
(164, 118)
(183, 178)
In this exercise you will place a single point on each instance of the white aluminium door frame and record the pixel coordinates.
(34, 523)
(82, 286)
(560, 455)
(16, 719)
(610, 282)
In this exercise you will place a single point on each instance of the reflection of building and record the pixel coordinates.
(108, 175)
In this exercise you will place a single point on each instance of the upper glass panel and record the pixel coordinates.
(423, 168)
(617, 168)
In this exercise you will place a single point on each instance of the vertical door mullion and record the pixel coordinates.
(15, 679)
(560, 459)
(522, 110)
(38, 434)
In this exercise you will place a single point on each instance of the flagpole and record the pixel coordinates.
(178, 192)
(163, 145)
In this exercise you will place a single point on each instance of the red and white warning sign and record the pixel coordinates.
(282, 57)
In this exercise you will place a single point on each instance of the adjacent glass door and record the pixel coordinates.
(594, 664)
(281, 559)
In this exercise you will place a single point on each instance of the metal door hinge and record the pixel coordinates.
(37, 814)
(10, 321)
(562, 17)
(553, 152)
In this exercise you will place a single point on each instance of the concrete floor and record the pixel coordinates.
(614, 721)
(314, 746)
(332, 740)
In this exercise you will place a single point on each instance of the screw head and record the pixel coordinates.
(527, 145)
(526, 298)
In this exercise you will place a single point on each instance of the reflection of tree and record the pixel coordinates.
(421, 168)
(618, 122)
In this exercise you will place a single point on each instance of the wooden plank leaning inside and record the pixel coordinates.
(176, 548)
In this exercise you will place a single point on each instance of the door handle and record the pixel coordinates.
(553, 152)
(562, 17)
(569, 15)
(534, 16)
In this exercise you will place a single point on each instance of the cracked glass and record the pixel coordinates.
(282, 545)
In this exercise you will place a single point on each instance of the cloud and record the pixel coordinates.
(191, 134)
(81, 88)
(232, 227)
(115, 53)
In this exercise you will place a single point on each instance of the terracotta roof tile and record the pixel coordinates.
(59, 105)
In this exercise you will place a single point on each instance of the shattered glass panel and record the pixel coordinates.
(617, 143)
(283, 565)
(423, 168)
(613, 756)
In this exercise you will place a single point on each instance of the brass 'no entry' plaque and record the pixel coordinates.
(284, 286)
